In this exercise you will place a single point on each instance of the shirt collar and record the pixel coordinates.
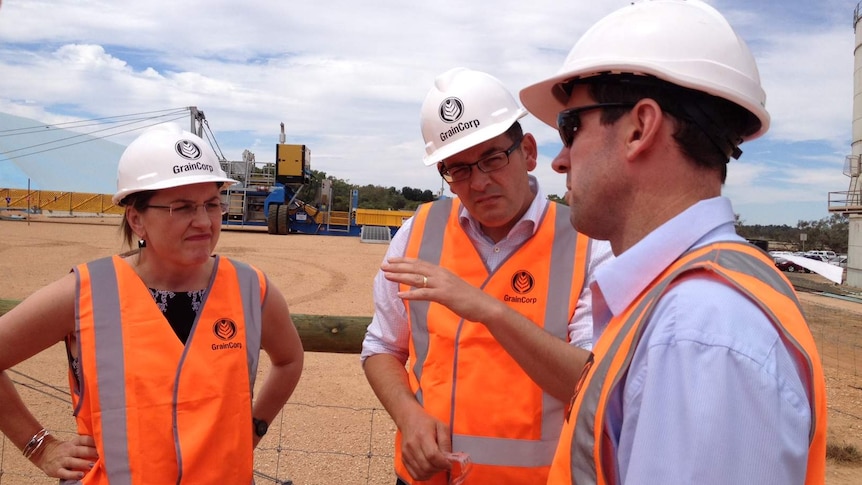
(532, 216)
(622, 279)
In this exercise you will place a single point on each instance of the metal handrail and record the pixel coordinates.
(845, 201)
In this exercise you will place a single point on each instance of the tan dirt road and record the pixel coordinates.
(333, 430)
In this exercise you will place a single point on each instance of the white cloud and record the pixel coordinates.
(348, 78)
(809, 81)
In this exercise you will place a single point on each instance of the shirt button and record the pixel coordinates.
(496, 249)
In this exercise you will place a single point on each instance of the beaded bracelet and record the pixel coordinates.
(35, 443)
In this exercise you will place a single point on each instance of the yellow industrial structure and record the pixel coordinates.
(52, 201)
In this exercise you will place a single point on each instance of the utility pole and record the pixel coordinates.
(197, 118)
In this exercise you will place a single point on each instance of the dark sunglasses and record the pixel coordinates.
(569, 120)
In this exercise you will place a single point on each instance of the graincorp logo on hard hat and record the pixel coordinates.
(451, 110)
(190, 151)
(463, 109)
(163, 157)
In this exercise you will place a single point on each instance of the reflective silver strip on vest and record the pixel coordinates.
(508, 452)
(249, 287)
(110, 369)
(557, 316)
(562, 265)
(500, 451)
(429, 250)
(583, 461)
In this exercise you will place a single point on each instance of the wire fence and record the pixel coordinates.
(307, 443)
(281, 464)
(329, 444)
(838, 334)
(319, 440)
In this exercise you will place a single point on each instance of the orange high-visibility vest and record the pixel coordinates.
(585, 454)
(458, 371)
(162, 412)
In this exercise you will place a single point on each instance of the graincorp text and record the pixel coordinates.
(458, 129)
(520, 299)
(229, 345)
(193, 166)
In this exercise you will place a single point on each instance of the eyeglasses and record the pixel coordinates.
(188, 210)
(569, 120)
(492, 162)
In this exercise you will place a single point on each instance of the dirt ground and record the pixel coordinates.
(333, 429)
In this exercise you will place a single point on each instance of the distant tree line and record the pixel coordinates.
(829, 233)
(370, 196)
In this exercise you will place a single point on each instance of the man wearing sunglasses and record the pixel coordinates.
(704, 369)
(485, 295)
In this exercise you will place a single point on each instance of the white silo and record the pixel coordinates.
(850, 202)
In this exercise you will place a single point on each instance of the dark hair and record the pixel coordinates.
(708, 128)
(140, 201)
(515, 132)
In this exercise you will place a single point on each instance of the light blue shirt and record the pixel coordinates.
(712, 395)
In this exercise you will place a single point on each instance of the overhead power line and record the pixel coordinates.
(96, 129)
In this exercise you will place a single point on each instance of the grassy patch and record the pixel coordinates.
(6, 305)
(844, 454)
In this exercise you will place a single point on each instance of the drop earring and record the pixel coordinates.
(142, 244)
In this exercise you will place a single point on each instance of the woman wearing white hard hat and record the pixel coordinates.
(705, 370)
(163, 342)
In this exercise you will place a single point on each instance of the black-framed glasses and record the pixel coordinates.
(187, 210)
(494, 161)
(569, 120)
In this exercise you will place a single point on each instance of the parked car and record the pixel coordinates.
(822, 255)
(840, 260)
(789, 266)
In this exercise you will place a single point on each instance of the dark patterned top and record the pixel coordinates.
(180, 309)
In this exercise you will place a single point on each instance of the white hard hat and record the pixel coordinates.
(163, 157)
(465, 108)
(684, 42)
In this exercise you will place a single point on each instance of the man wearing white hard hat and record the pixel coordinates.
(163, 342)
(704, 368)
(495, 319)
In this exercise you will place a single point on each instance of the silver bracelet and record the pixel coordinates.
(35, 443)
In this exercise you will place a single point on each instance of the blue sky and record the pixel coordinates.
(348, 78)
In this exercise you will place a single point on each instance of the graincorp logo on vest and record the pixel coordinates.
(522, 282)
(204, 167)
(225, 329)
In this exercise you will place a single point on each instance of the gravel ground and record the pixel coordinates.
(333, 430)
